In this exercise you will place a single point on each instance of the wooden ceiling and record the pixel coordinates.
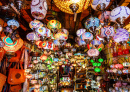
(53, 12)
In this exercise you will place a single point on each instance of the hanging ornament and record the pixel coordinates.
(32, 36)
(96, 43)
(120, 14)
(93, 52)
(97, 70)
(121, 35)
(87, 36)
(35, 24)
(39, 9)
(65, 31)
(100, 60)
(100, 5)
(13, 24)
(80, 32)
(54, 25)
(107, 31)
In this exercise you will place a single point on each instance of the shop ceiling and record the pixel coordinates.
(53, 12)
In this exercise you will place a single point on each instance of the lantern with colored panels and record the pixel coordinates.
(92, 23)
(39, 9)
(87, 36)
(11, 46)
(104, 17)
(44, 32)
(96, 43)
(35, 24)
(97, 70)
(118, 66)
(65, 31)
(120, 14)
(80, 32)
(93, 52)
(81, 42)
(107, 31)
(100, 4)
(121, 35)
(72, 6)
(32, 36)
(54, 25)
(14, 24)
(43, 57)
(47, 45)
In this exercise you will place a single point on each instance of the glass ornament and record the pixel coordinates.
(39, 9)
(97, 70)
(2, 44)
(80, 32)
(119, 14)
(121, 35)
(119, 66)
(65, 31)
(87, 36)
(96, 42)
(91, 61)
(32, 36)
(14, 24)
(100, 60)
(54, 24)
(64, 5)
(61, 36)
(93, 52)
(35, 24)
(100, 4)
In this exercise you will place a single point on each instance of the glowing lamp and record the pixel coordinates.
(87, 36)
(80, 32)
(100, 60)
(97, 70)
(100, 4)
(120, 14)
(43, 57)
(92, 61)
(2, 44)
(39, 9)
(35, 24)
(13, 24)
(32, 36)
(118, 66)
(93, 52)
(61, 36)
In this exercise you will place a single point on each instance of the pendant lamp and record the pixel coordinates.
(35, 24)
(14, 24)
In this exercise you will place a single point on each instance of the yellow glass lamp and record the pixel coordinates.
(72, 6)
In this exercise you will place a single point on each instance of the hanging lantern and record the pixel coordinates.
(92, 61)
(118, 66)
(35, 24)
(100, 4)
(13, 24)
(42, 31)
(97, 70)
(96, 43)
(87, 36)
(2, 44)
(100, 60)
(65, 31)
(71, 6)
(32, 36)
(120, 14)
(8, 30)
(107, 31)
(54, 25)
(80, 32)
(93, 52)
(103, 17)
(121, 35)
(1, 28)
(43, 57)
(92, 23)
(39, 9)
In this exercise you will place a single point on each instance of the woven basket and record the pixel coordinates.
(2, 81)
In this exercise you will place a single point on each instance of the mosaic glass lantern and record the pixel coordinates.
(120, 14)
(54, 25)
(93, 52)
(100, 4)
(35, 24)
(43, 57)
(71, 6)
(61, 36)
(65, 31)
(92, 23)
(87, 36)
(14, 24)
(1, 28)
(121, 35)
(96, 43)
(80, 32)
(32, 36)
(107, 31)
(39, 9)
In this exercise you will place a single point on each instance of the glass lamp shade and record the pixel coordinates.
(14, 24)
(92, 22)
(61, 36)
(8, 30)
(105, 15)
(119, 66)
(43, 57)
(35, 24)
(96, 42)
(107, 31)
(80, 32)
(42, 31)
(100, 60)
(121, 12)
(54, 24)
(65, 31)
(1, 28)
(39, 9)
(100, 4)
(32, 36)
(121, 35)
(97, 69)
(11, 46)
(64, 5)
(93, 52)
(56, 42)
(86, 35)
(47, 45)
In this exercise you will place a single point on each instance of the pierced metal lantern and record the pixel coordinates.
(39, 9)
